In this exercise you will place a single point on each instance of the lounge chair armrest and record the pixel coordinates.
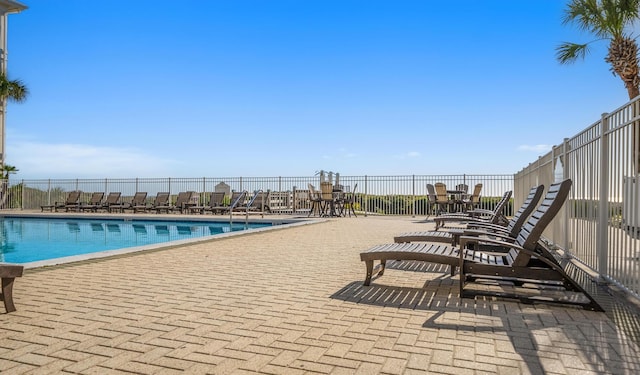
(480, 212)
(464, 240)
(486, 226)
(477, 233)
(491, 229)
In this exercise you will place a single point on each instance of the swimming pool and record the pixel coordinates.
(35, 239)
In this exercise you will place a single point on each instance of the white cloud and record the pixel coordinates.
(535, 148)
(40, 160)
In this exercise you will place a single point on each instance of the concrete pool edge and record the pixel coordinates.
(277, 224)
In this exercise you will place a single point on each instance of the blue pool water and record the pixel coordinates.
(24, 240)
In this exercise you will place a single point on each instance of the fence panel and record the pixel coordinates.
(600, 225)
(375, 195)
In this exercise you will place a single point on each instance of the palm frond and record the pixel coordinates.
(13, 90)
(568, 53)
(604, 18)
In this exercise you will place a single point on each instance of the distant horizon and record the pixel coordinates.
(286, 88)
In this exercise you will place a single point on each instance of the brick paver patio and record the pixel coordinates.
(291, 302)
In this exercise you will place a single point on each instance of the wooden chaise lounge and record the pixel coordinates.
(94, 203)
(72, 201)
(525, 262)
(138, 200)
(452, 235)
(8, 272)
(216, 199)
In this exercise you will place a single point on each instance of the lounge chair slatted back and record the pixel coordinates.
(216, 199)
(182, 201)
(161, 199)
(515, 224)
(113, 199)
(96, 198)
(94, 203)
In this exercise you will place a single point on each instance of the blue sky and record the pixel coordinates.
(200, 88)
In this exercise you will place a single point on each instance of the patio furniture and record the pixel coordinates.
(432, 199)
(317, 204)
(237, 199)
(161, 199)
(526, 264)
(479, 228)
(137, 201)
(463, 188)
(94, 203)
(72, 200)
(489, 216)
(183, 201)
(347, 205)
(8, 273)
(442, 198)
(113, 199)
(259, 202)
(216, 199)
(472, 201)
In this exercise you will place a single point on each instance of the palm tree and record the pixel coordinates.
(608, 20)
(13, 90)
(6, 170)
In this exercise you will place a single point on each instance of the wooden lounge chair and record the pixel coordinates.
(237, 199)
(478, 228)
(525, 262)
(8, 272)
(161, 199)
(72, 201)
(94, 203)
(216, 199)
(138, 200)
(113, 199)
(489, 216)
(259, 202)
(182, 202)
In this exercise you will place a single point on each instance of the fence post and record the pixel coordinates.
(413, 182)
(366, 201)
(293, 202)
(23, 195)
(603, 206)
(565, 175)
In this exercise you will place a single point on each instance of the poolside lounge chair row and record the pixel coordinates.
(239, 202)
(486, 253)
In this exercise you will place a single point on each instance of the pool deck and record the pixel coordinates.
(291, 301)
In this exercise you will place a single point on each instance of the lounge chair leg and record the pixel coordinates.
(7, 294)
(453, 270)
(369, 264)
